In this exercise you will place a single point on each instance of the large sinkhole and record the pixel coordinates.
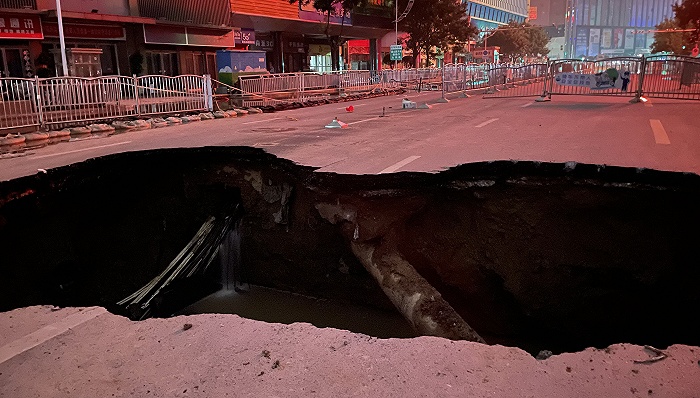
(536, 255)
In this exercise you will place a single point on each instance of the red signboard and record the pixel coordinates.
(78, 31)
(358, 46)
(532, 15)
(18, 26)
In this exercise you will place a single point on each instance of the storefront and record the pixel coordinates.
(358, 54)
(91, 49)
(171, 50)
(295, 50)
(264, 41)
(20, 38)
(320, 58)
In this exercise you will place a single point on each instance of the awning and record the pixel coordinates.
(188, 36)
(311, 29)
(199, 12)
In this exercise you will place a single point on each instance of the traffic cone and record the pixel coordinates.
(350, 109)
(336, 124)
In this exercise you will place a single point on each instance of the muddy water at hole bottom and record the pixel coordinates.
(270, 305)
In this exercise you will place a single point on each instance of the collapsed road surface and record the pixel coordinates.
(543, 256)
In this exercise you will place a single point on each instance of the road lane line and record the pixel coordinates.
(265, 120)
(364, 120)
(528, 104)
(660, 135)
(48, 332)
(399, 165)
(80, 150)
(486, 122)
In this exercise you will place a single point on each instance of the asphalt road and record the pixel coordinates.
(661, 134)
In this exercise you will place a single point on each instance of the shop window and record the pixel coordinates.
(197, 63)
(108, 59)
(211, 64)
(82, 62)
(11, 63)
(200, 65)
(321, 63)
(187, 63)
(359, 61)
(161, 63)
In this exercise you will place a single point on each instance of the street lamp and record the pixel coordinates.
(61, 38)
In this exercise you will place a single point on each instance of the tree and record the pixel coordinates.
(538, 40)
(329, 7)
(436, 24)
(517, 40)
(688, 17)
(666, 40)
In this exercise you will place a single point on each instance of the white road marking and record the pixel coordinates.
(26, 343)
(364, 120)
(528, 104)
(486, 122)
(399, 165)
(80, 150)
(265, 120)
(660, 135)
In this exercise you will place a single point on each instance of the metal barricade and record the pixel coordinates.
(316, 85)
(271, 89)
(476, 76)
(74, 99)
(357, 80)
(516, 81)
(561, 73)
(26, 103)
(18, 105)
(674, 77)
(164, 94)
(453, 77)
(391, 78)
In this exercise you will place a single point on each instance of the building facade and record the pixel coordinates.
(185, 36)
(547, 12)
(174, 37)
(490, 14)
(21, 33)
(613, 27)
(295, 37)
(551, 15)
(119, 37)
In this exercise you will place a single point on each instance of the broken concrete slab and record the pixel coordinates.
(164, 357)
